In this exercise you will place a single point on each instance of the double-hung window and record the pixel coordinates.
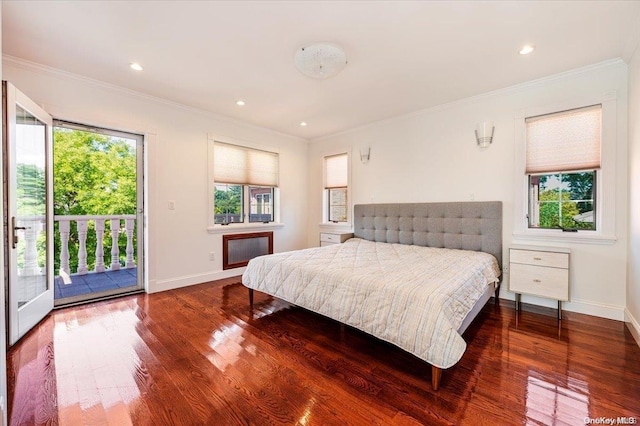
(336, 185)
(245, 184)
(563, 160)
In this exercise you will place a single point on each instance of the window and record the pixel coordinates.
(228, 203)
(562, 165)
(261, 204)
(245, 180)
(336, 187)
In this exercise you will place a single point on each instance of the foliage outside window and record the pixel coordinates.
(562, 200)
(562, 162)
(93, 174)
(228, 204)
(336, 185)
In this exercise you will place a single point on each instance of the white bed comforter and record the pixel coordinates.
(414, 297)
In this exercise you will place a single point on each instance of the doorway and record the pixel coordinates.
(98, 212)
(73, 212)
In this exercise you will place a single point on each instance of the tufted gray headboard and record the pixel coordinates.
(470, 225)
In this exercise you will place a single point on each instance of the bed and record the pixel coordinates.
(414, 275)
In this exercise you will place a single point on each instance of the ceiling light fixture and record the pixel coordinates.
(527, 49)
(303, 123)
(320, 60)
(240, 102)
(135, 66)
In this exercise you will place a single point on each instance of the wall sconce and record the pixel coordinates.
(365, 154)
(484, 134)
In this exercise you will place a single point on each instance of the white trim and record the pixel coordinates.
(481, 97)
(244, 227)
(188, 280)
(549, 235)
(605, 232)
(44, 69)
(632, 325)
(601, 310)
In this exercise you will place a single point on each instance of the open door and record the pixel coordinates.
(28, 213)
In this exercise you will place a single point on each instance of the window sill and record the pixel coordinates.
(229, 229)
(566, 237)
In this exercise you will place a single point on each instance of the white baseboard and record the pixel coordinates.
(187, 280)
(632, 325)
(601, 310)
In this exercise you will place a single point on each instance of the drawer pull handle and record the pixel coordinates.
(537, 258)
(537, 281)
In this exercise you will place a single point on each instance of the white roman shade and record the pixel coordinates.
(234, 164)
(336, 171)
(564, 141)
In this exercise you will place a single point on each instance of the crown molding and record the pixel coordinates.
(481, 97)
(66, 75)
(631, 48)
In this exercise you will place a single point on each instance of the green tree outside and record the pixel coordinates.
(93, 175)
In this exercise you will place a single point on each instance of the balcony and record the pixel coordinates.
(96, 276)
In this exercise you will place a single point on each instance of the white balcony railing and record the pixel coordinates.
(82, 226)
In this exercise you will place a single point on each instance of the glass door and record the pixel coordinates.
(28, 211)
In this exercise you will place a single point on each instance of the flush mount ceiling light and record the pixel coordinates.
(135, 66)
(240, 102)
(320, 60)
(526, 49)
(303, 123)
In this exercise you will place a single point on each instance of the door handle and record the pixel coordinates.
(14, 240)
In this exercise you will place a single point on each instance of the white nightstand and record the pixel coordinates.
(539, 271)
(328, 238)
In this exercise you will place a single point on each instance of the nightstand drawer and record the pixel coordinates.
(334, 238)
(539, 258)
(540, 281)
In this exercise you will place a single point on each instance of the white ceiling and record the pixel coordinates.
(403, 56)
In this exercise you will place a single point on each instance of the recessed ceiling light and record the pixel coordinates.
(527, 49)
(135, 66)
(303, 123)
(240, 102)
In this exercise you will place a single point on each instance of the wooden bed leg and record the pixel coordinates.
(497, 295)
(436, 374)
(251, 299)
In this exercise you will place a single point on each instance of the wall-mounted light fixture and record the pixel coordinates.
(484, 134)
(365, 154)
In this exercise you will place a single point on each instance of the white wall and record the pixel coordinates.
(431, 155)
(3, 329)
(633, 274)
(179, 245)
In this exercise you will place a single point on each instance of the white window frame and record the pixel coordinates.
(605, 232)
(216, 228)
(326, 224)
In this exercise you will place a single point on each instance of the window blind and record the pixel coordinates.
(564, 141)
(234, 164)
(336, 175)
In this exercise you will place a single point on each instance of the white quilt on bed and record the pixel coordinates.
(414, 297)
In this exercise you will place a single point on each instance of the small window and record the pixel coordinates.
(261, 204)
(562, 200)
(562, 162)
(336, 186)
(338, 205)
(228, 204)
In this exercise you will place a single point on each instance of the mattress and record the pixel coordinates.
(413, 297)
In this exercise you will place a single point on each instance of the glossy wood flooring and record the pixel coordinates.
(194, 356)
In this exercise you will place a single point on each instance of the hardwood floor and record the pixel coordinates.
(194, 356)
